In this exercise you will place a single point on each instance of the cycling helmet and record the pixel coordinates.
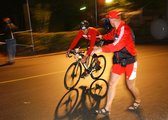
(84, 25)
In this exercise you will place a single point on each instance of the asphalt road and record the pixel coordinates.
(33, 89)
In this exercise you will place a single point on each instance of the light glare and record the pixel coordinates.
(83, 8)
(109, 1)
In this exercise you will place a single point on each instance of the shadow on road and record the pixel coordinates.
(138, 113)
(72, 106)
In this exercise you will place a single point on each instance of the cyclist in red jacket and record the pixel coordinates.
(124, 59)
(88, 33)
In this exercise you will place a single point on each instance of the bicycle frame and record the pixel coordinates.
(84, 64)
(91, 67)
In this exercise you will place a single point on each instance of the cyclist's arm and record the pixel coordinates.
(92, 43)
(76, 40)
(96, 50)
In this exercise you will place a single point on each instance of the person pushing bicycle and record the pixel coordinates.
(90, 34)
(124, 60)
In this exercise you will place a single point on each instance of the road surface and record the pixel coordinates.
(33, 89)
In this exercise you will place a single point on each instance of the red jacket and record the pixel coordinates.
(91, 36)
(122, 37)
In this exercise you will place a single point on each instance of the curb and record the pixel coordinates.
(41, 55)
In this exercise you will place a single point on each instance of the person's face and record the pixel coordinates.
(7, 20)
(112, 22)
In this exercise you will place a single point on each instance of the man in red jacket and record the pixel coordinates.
(88, 33)
(124, 59)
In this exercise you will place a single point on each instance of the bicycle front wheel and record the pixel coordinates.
(98, 68)
(72, 75)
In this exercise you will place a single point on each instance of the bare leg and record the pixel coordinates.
(87, 61)
(114, 78)
(134, 90)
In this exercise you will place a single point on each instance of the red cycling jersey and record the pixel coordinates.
(122, 37)
(91, 36)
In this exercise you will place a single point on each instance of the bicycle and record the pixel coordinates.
(95, 68)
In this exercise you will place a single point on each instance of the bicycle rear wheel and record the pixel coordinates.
(72, 75)
(98, 66)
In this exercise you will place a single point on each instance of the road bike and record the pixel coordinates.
(96, 68)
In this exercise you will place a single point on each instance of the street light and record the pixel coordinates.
(83, 8)
(96, 10)
(108, 1)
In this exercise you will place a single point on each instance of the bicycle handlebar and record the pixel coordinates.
(67, 54)
(80, 53)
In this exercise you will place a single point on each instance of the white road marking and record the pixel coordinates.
(41, 75)
(30, 77)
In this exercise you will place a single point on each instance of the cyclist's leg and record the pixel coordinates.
(87, 60)
(86, 71)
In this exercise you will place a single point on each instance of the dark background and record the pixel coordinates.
(14, 10)
(64, 15)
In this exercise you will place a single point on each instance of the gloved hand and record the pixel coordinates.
(67, 53)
